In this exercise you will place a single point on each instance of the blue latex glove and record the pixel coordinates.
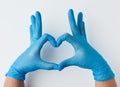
(30, 60)
(85, 55)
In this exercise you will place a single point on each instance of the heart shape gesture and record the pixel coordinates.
(85, 55)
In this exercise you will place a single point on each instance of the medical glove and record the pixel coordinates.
(30, 60)
(85, 55)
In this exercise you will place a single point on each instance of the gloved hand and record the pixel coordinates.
(30, 60)
(85, 55)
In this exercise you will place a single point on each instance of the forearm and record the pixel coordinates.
(10, 82)
(108, 83)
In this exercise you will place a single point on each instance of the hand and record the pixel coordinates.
(85, 55)
(30, 60)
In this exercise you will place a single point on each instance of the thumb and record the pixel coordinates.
(66, 63)
(48, 65)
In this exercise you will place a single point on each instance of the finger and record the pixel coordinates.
(70, 39)
(51, 39)
(83, 30)
(46, 37)
(79, 21)
(66, 63)
(33, 22)
(73, 26)
(38, 32)
(48, 65)
(31, 33)
(81, 25)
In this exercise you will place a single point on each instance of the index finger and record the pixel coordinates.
(72, 22)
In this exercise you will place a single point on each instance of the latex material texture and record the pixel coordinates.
(30, 60)
(85, 55)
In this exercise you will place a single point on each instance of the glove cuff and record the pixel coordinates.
(103, 73)
(12, 72)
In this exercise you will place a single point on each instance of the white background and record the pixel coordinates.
(102, 18)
